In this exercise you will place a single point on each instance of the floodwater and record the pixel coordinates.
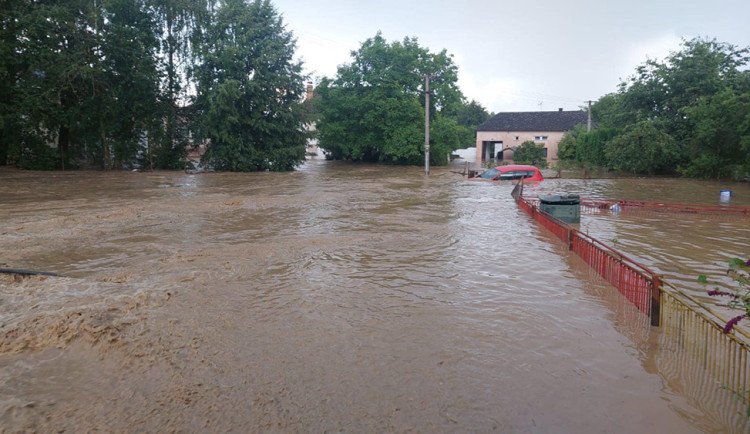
(340, 297)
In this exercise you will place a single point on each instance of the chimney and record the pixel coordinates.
(560, 109)
(309, 91)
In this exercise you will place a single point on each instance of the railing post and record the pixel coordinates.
(571, 236)
(655, 299)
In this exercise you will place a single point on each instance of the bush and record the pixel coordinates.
(642, 148)
(530, 153)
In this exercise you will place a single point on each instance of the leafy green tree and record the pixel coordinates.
(643, 148)
(129, 47)
(373, 109)
(84, 79)
(447, 135)
(530, 153)
(182, 24)
(720, 141)
(701, 69)
(472, 114)
(591, 145)
(567, 148)
(57, 82)
(696, 96)
(586, 148)
(660, 90)
(468, 116)
(608, 112)
(11, 68)
(249, 90)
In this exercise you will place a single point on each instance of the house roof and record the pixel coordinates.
(534, 121)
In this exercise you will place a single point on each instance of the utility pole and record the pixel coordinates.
(427, 123)
(588, 127)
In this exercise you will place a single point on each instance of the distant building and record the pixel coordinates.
(312, 144)
(502, 134)
(310, 91)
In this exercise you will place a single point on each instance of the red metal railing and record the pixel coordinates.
(554, 225)
(634, 206)
(526, 206)
(690, 328)
(639, 206)
(635, 281)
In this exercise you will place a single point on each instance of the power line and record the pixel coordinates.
(537, 95)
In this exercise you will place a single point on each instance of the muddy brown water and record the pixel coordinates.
(340, 298)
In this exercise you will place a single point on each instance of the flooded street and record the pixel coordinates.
(340, 297)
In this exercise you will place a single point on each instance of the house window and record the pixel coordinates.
(545, 152)
(540, 138)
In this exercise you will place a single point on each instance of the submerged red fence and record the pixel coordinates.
(643, 207)
(635, 281)
(557, 227)
(690, 328)
(638, 206)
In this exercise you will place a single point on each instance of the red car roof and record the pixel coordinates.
(497, 173)
(516, 167)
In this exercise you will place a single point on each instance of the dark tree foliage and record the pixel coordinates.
(11, 67)
(249, 90)
(566, 149)
(85, 83)
(374, 109)
(609, 113)
(102, 84)
(128, 47)
(182, 24)
(719, 139)
(643, 147)
(696, 101)
(586, 147)
(472, 114)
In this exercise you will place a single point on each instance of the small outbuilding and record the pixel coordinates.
(503, 133)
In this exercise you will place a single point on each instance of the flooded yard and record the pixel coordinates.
(340, 297)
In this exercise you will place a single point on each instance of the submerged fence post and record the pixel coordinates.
(655, 299)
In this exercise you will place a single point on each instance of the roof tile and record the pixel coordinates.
(534, 121)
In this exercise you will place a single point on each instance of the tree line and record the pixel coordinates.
(135, 83)
(373, 110)
(127, 83)
(688, 115)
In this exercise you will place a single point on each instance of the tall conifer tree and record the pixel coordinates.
(249, 90)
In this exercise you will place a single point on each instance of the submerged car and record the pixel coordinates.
(511, 172)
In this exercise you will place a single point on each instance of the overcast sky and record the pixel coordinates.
(522, 55)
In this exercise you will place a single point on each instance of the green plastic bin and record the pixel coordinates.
(564, 207)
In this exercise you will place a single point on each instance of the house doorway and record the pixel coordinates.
(498, 150)
(490, 149)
